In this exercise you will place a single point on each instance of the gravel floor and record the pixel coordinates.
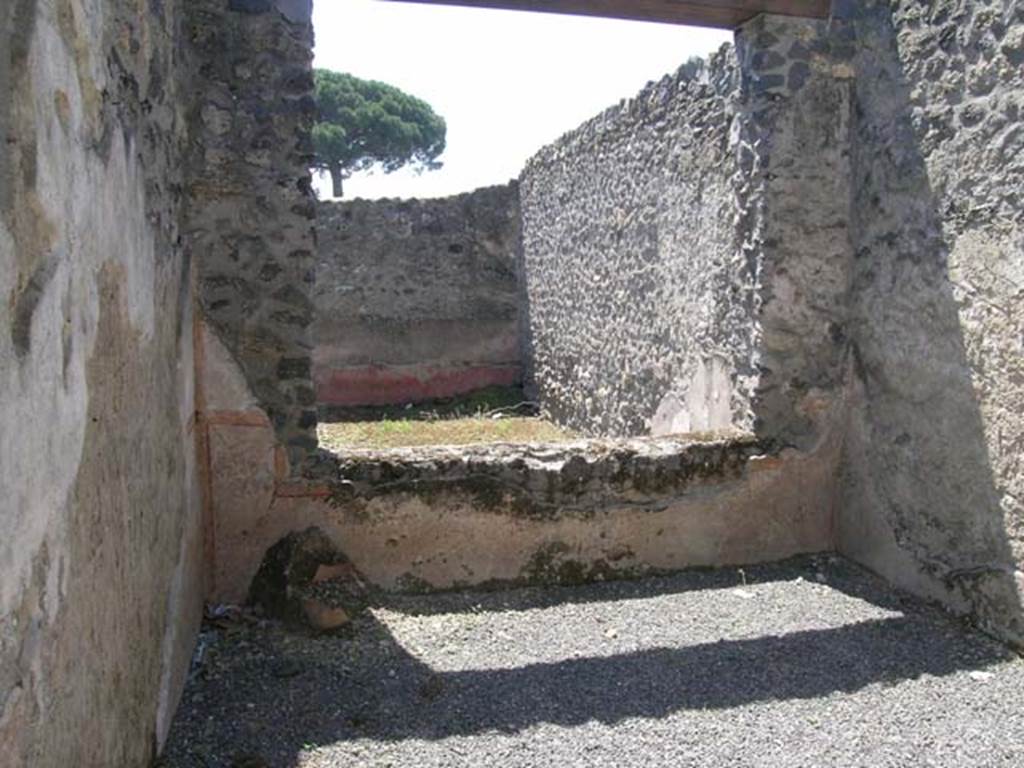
(809, 663)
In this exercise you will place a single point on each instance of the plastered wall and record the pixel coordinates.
(449, 517)
(100, 578)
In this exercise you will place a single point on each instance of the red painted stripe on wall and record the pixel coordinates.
(379, 385)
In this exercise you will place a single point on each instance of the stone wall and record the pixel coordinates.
(417, 299)
(100, 567)
(629, 254)
(817, 238)
(250, 201)
(686, 253)
(677, 279)
(934, 481)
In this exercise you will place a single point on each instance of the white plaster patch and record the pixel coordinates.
(704, 407)
(224, 385)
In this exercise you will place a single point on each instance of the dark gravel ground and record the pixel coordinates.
(809, 663)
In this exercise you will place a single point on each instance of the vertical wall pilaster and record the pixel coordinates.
(251, 204)
(791, 142)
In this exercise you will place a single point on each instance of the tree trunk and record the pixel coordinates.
(336, 178)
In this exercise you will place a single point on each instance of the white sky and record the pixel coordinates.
(506, 82)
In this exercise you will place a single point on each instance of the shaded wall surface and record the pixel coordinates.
(934, 480)
(100, 578)
(416, 299)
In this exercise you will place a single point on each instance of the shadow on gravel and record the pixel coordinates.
(654, 683)
(367, 687)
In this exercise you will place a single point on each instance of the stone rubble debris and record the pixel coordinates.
(306, 580)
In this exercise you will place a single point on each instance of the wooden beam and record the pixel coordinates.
(723, 14)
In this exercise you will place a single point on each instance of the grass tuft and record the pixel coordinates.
(390, 433)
